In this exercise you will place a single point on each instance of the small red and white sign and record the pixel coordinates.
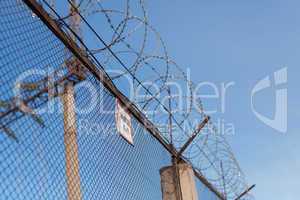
(123, 122)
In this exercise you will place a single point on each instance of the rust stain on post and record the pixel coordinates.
(71, 146)
(185, 179)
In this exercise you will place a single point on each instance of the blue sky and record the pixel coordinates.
(34, 167)
(243, 41)
(240, 42)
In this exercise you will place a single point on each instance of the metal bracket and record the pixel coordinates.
(193, 136)
(245, 192)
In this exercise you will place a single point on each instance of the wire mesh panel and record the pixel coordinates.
(121, 170)
(58, 137)
(36, 137)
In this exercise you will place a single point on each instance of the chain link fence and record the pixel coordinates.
(34, 71)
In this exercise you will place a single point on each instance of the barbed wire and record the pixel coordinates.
(129, 32)
(214, 149)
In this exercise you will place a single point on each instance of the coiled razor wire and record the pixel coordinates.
(136, 42)
(210, 153)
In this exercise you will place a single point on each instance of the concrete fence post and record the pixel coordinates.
(181, 175)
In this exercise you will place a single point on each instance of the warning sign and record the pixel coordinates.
(123, 122)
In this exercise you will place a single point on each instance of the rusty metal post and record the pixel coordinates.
(71, 146)
(70, 128)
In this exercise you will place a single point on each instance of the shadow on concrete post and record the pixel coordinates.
(181, 175)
